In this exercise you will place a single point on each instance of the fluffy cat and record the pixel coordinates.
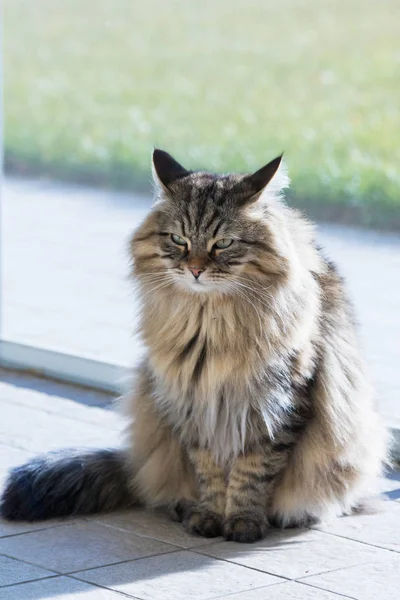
(251, 406)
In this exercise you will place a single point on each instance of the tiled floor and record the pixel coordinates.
(143, 555)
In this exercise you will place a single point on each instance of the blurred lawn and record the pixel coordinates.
(90, 86)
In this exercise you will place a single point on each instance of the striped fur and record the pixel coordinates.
(251, 404)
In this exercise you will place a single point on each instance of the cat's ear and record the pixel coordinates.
(166, 169)
(249, 188)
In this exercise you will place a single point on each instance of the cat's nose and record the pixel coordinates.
(196, 271)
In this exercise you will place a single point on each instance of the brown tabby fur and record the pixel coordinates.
(251, 405)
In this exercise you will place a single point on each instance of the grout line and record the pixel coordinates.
(325, 590)
(120, 562)
(96, 518)
(8, 585)
(344, 537)
(283, 577)
(56, 576)
(27, 562)
(217, 540)
(143, 535)
(304, 577)
(93, 519)
(13, 535)
(102, 587)
(75, 572)
(299, 579)
(262, 587)
(213, 558)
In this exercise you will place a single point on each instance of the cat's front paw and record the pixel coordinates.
(245, 527)
(202, 521)
(178, 510)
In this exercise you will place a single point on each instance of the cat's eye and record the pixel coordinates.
(177, 239)
(224, 243)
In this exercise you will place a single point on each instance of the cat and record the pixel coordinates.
(251, 407)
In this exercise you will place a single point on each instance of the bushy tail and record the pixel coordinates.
(67, 482)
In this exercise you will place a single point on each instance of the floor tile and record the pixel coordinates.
(14, 571)
(375, 580)
(295, 554)
(381, 529)
(80, 546)
(58, 588)
(178, 576)
(152, 524)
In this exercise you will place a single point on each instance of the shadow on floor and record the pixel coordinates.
(50, 387)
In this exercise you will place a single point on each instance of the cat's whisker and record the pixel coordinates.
(162, 285)
(260, 298)
(150, 275)
(140, 285)
(257, 295)
(154, 280)
(254, 284)
(143, 289)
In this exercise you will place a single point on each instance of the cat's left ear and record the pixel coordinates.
(249, 188)
(166, 169)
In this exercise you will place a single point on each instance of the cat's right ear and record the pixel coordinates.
(166, 170)
(249, 188)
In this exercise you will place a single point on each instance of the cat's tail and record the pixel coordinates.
(67, 482)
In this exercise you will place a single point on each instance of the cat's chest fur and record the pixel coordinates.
(195, 349)
(204, 358)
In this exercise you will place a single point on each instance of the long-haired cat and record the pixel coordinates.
(251, 406)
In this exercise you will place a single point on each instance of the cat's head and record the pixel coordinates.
(210, 233)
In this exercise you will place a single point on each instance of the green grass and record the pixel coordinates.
(90, 86)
